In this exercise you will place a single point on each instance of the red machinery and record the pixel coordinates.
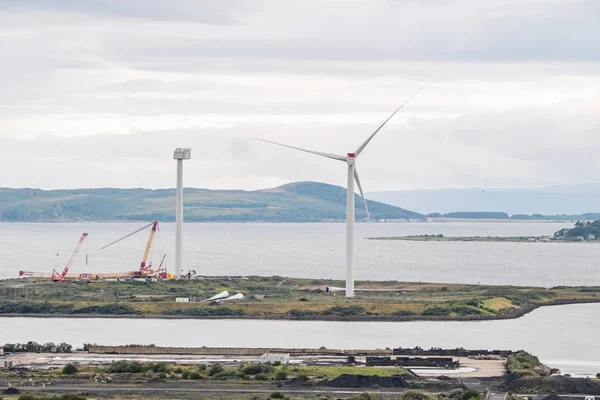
(59, 276)
(145, 267)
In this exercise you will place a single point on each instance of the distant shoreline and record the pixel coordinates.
(518, 313)
(430, 220)
(483, 239)
(550, 221)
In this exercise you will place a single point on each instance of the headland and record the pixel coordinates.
(280, 298)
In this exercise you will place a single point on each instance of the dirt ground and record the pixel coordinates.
(470, 367)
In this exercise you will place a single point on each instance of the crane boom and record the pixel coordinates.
(35, 274)
(143, 267)
(130, 234)
(61, 276)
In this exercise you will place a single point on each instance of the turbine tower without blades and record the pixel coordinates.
(350, 160)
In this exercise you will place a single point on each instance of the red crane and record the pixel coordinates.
(56, 276)
(145, 268)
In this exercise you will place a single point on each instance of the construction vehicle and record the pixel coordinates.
(145, 265)
(56, 276)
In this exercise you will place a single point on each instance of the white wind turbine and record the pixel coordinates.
(350, 159)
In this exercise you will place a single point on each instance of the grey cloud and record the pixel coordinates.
(211, 11)
(338, 31)
(503, 149)
(307, 73)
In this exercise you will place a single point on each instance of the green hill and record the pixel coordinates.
(294, 202)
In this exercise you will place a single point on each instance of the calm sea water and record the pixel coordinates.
(564, 337)
(313, 250)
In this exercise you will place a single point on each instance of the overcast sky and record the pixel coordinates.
(99, 93)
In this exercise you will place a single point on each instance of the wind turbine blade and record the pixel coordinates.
(363, 197)
(362, 147)
(328, 155)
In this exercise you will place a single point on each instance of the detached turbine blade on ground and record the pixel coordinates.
(362, 147)
(363, 197)
(328, 155)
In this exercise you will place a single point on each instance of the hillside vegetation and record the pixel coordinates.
(294, 202)
(581, 230)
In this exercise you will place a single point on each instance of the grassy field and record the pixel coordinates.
(283, 299)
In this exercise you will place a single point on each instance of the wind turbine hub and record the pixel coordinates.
(350, 158)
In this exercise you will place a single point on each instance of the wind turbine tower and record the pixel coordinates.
(350, 160)
(179, 155)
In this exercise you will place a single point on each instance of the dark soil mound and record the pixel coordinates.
(396, 381)
(11, 390)
(300, 382)
(363, 381)
(552, 384)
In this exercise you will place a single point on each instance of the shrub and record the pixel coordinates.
(416, 395)
(206, 312)
(195, 375)
(158, 367)
(255, 369)
(215, 369)
(470, 395)
(367, 396)
(69, 396)
(227, 374)
(300, 313)
(436, 310)
(303, 377)
(277, 395)
(455, 394)
(124, 366)
(402, 313)
(261, 377)
(466, 310)
(69, 369)
(113, 309)
(281, 375)
(345, 311)
(522, 363)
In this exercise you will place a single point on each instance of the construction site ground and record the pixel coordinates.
(468, 367)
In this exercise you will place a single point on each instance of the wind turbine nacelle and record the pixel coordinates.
(182, 154)
(350, 158)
